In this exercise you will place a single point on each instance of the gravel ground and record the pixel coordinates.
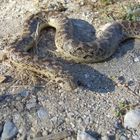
(32, 110)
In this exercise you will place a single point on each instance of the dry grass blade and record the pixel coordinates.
(58, 136)
(2, 78)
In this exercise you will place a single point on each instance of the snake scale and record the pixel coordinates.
(95, 51)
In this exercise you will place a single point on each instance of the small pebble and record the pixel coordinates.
(137, 59)
(24, 93)
(136, 137)
(94, 1)
(84, 136)
(123, 138)
(31, 104)
(105, 137)
(132, 119)
(9, 130)
(118, 124)
(42, 114)
(121, 79)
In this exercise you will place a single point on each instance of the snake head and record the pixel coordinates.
(66, 83)
(55, 18)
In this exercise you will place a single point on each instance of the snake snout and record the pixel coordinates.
(67, 84)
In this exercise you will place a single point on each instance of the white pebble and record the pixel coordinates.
(84, 136)
(137, 59)
(132, 119)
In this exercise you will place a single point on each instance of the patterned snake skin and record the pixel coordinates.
(71, 48)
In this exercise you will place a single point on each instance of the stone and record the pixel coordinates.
(136, 59)
(31, 104)
(132, 119)
(9, 131)
(24, 93)
(81, 135)
(123, 137)
(105, 137)
(42, 114)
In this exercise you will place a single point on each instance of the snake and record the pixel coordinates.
(67, 45)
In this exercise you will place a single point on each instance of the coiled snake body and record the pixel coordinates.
(95, 51)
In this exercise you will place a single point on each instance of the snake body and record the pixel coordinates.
(71, 48)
